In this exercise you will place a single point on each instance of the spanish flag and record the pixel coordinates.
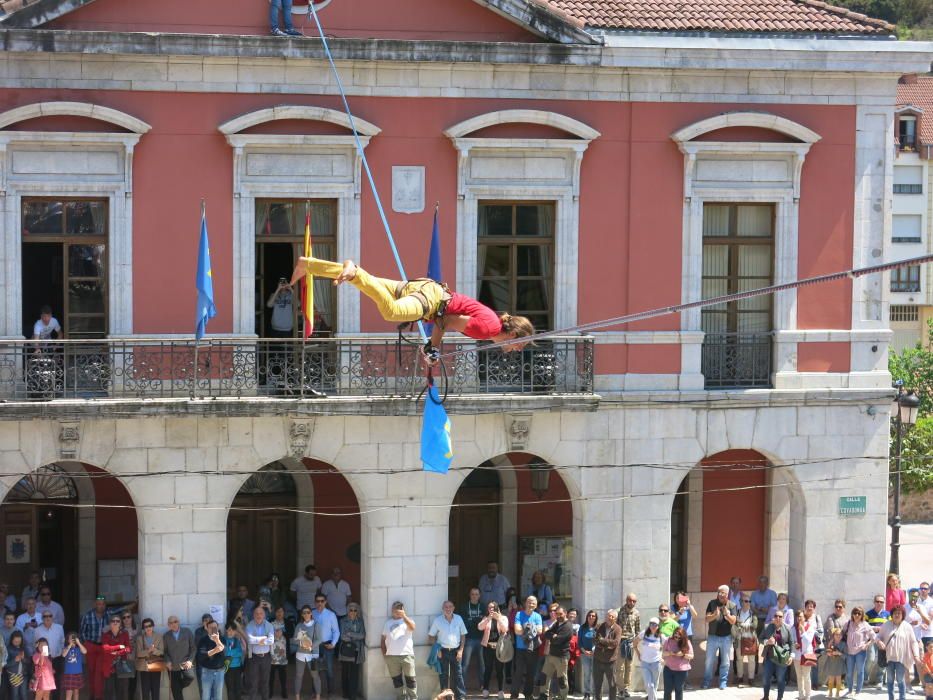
(307, 301)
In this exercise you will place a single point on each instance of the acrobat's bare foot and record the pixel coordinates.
(349, 272)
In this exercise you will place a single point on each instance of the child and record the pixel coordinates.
(43, 678)
(73, 678)
(926, 671)
(17, 667)
(835, 663)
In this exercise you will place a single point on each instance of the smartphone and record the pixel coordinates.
(45, 651)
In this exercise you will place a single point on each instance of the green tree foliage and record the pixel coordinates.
(914, 367)
(914, 18)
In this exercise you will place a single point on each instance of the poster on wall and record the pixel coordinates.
(18, 550)
(553, 557)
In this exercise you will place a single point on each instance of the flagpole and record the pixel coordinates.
(304, 320)
(194, 386)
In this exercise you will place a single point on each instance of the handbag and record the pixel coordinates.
(123, 668)
(748, 646)
(625, 649)
(16, 679)
(33, 684)
(186, 676)
(348, 651)
(882, 658)
(810, 659)
(505, 651)
(156, 666)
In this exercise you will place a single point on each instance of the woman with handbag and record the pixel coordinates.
(307, 641)
(16, 670)
(745, 634)
(43, 675)
(778, 652)
(115, 669)
(858, 636)
(351, 651)
(495, 628)
(805, 658)
(898, 641)
(150, 662)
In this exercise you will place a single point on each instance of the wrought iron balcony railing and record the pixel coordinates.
(242, 367)
(737, 360)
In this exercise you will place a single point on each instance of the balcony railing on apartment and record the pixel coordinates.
(737, 360)
(288, 368)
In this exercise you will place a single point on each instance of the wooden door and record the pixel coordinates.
(259, 541)
(474, 537)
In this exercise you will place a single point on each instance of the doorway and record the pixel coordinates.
(262, 514)
(474, 531)
(64, 264)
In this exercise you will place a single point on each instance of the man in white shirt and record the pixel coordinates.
(27, 622)
(492, 586)
(338, 593)
(924, 608)
(399, 651)
(449, 631)
(259, 638)
(44, 328)
(306, 587)
(45, 603)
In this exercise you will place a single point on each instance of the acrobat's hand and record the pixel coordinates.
(431, 354)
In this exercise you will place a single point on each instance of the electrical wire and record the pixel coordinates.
(712, 301)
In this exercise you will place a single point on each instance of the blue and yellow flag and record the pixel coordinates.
(204, 283)
(437, 451)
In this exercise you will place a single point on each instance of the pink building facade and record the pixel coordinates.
(585, 165)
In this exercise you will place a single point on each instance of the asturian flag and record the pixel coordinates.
(437, 451)
(204, 283)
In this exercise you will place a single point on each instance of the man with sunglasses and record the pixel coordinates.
(330, 635)
(44, 603)
(875, 616)
(924, 608)
(180, 651)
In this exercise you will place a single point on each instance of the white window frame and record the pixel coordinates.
(784, 195)
(564, 193)
(118, 190)
(247, 189)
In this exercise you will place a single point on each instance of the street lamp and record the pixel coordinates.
(905, 408)
(540, 478)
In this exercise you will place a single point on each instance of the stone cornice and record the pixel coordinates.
(663, 52)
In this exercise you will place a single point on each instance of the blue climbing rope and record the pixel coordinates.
(359, 149)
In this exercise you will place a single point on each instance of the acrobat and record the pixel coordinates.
(425, 300)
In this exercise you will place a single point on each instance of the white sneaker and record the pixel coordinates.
(485, 693)
(501, 695)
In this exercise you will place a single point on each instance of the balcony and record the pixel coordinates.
(737, 360)
(141, 368)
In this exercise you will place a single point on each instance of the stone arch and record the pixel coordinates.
(74, 109)
(310, 113)
(104, 556)
(304, 516)
(519, 515)
(755, 487)
(523, 116)
(761, 120)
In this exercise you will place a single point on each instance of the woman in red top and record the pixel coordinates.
(115, 645)
(425, 300)
(894, 594)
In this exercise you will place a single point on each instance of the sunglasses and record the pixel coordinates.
(839, 607)
(664, 610)
(127, 617)
(746, 600)
(147, 627)
(924, 588)
(856, 614)
(46, 616)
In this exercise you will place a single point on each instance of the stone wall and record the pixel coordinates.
(915, 507)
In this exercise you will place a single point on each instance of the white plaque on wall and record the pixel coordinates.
(408, 189)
